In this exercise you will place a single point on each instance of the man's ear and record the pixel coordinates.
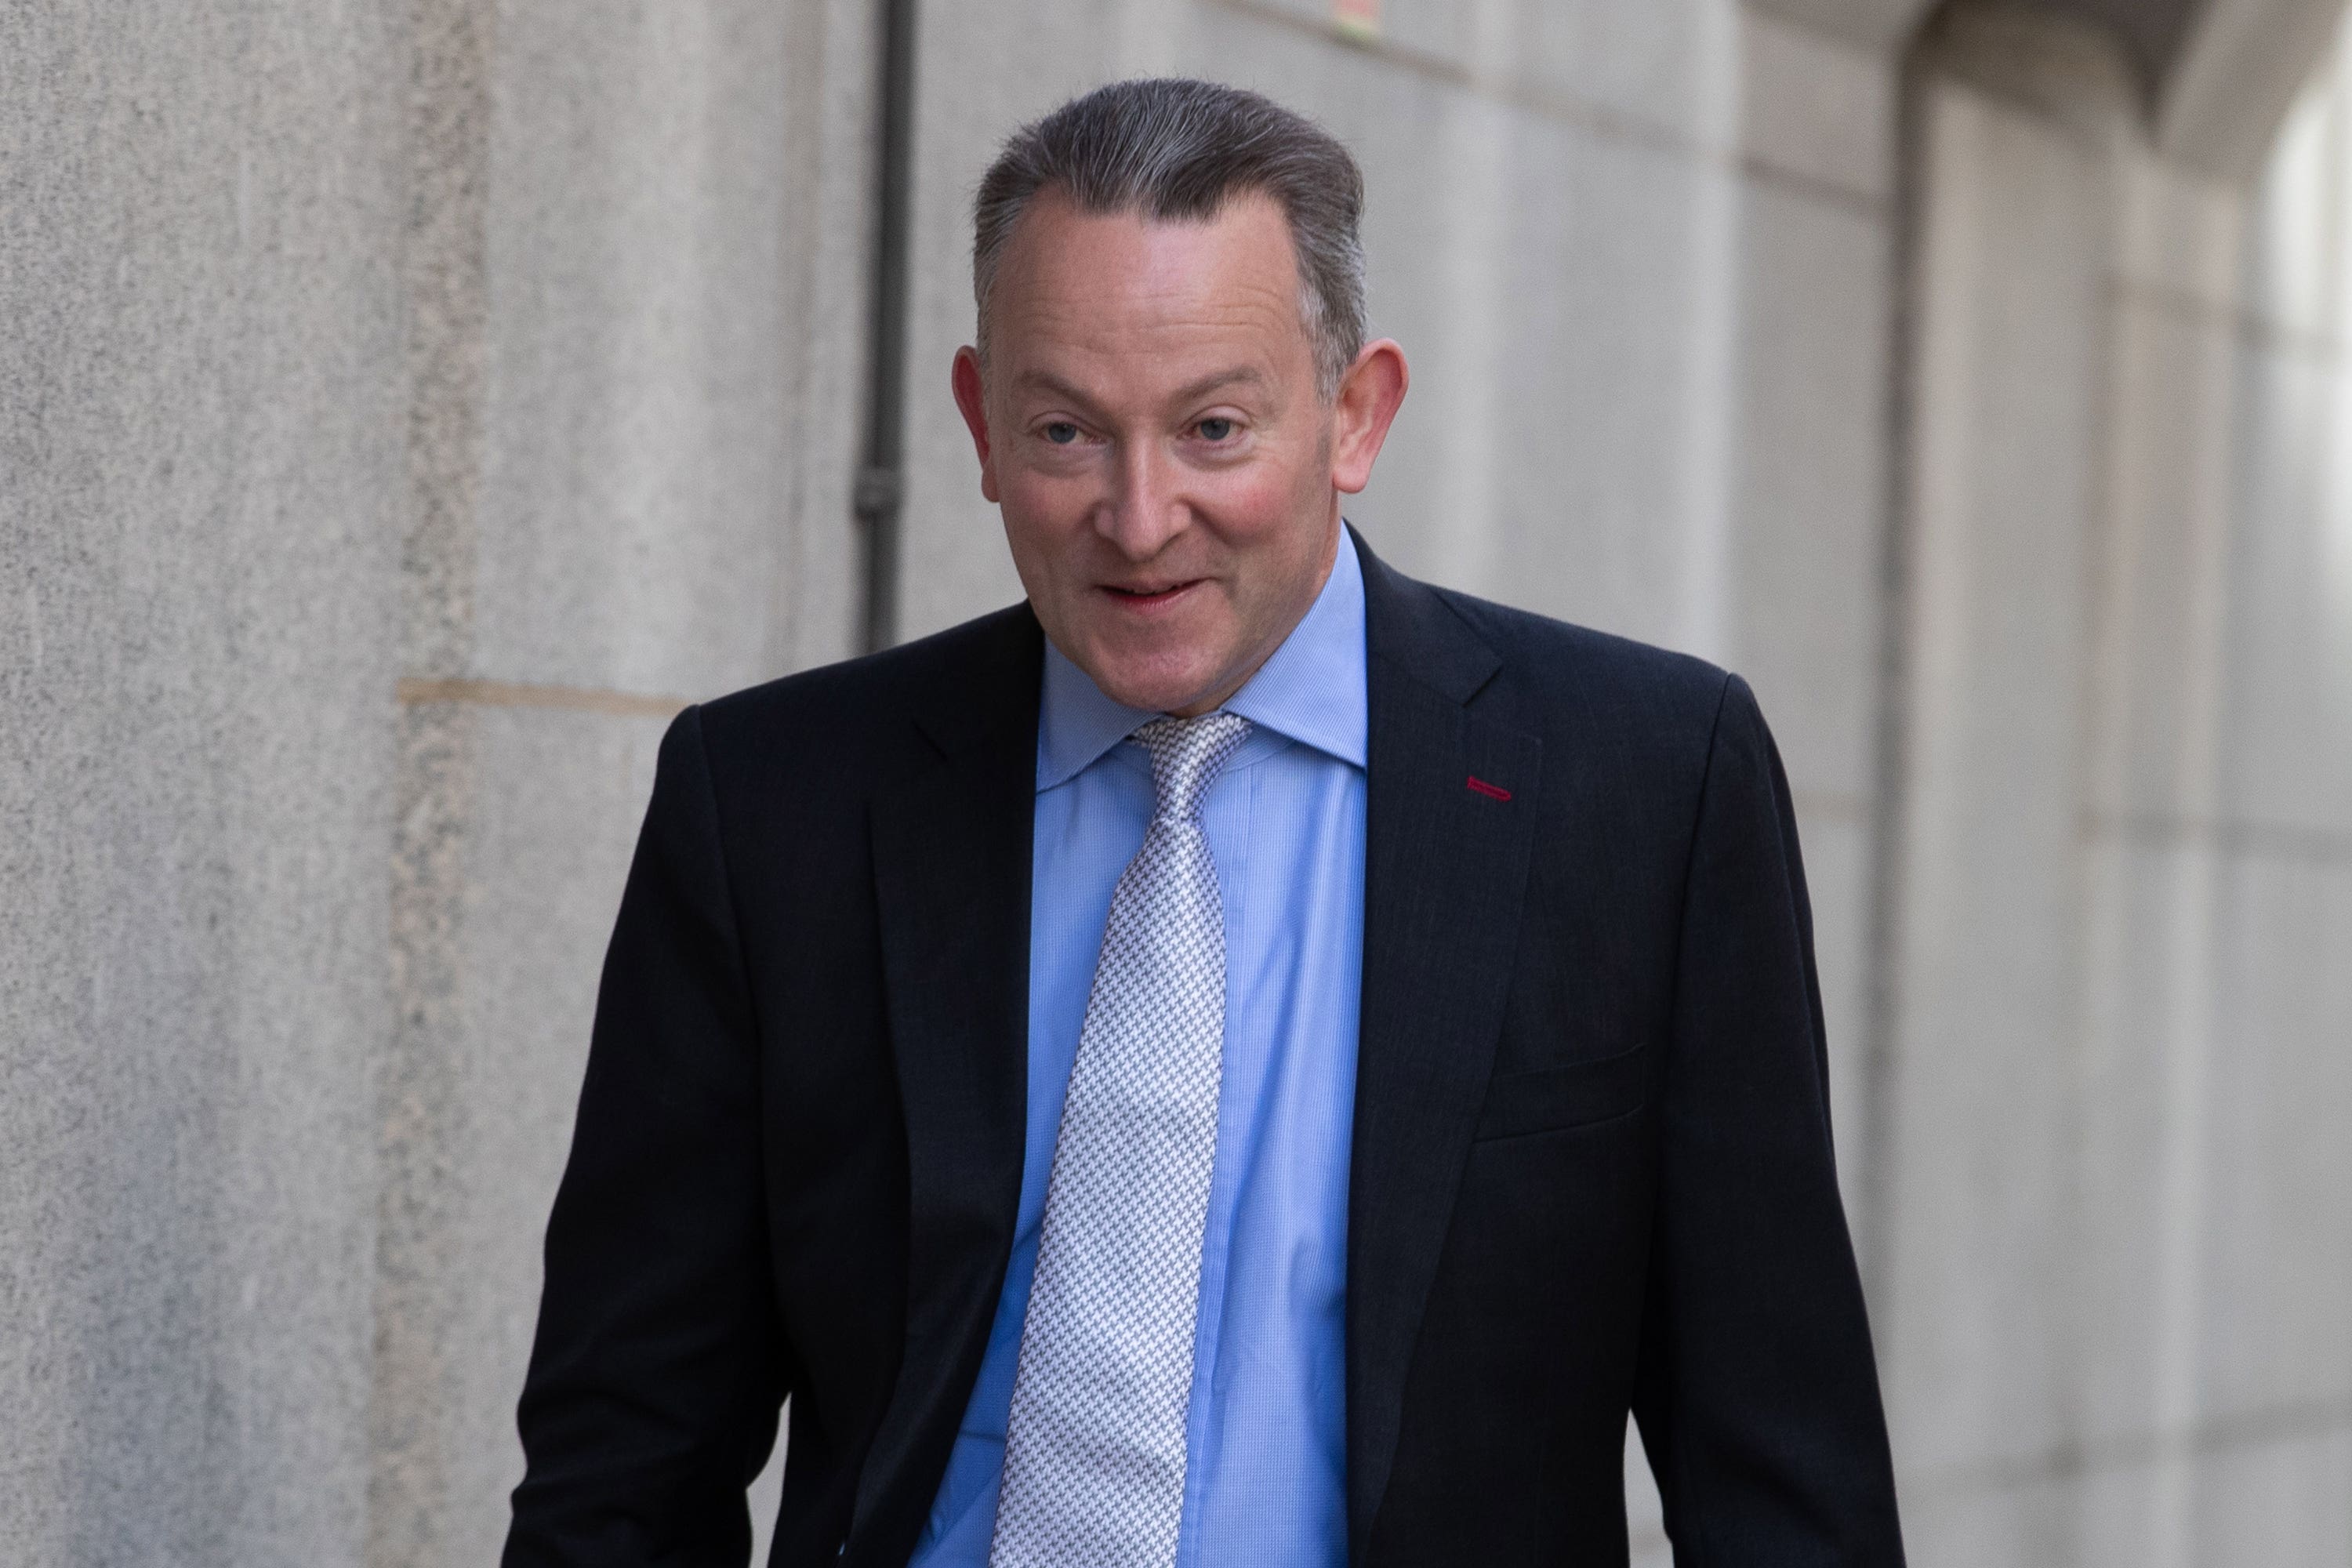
(1369, 395)
(971, 397)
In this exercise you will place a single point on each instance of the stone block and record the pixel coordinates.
(657, 233)
(643, 493)
(1872, 24)
(2155, 719)
(2287, 737)
(1807, 499)
(1653, 69)
(516, 828)
(1983, 1096)
(2275, 1498)
(2181, 233)
(2122, 1510)
(2145, 1146)
(1966, 1520)
(2276, 1264)
(199, 464)
(1817, 109)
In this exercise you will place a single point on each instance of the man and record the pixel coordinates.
(1243, 1058)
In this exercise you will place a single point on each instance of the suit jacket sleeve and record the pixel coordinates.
(1757, 1393)
(654, 1380)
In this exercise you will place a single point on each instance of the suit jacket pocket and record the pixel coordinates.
(1552, 1098)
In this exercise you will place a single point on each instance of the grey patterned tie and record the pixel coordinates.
(1094, 1455)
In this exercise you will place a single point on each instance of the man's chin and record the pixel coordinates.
(1155, 686)
(1167, 698)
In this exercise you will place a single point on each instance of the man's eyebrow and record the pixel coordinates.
(1047, 382)
(1193, 391)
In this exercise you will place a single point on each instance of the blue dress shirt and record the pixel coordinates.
(1264, 1480)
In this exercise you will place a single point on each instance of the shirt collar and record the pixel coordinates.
(1311, 690)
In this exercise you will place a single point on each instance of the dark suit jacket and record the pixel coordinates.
(1591, 1164)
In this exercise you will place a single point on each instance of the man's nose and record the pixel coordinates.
(1143, 510)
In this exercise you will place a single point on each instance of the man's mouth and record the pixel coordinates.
(1145, 596)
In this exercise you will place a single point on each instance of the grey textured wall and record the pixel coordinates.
(634, 275)
(405, 407)
(2113, 1300)
(404, 410)
(200, 481)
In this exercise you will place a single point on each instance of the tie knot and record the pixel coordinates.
(1186, 754)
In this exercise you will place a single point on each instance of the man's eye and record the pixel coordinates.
(1214, 431)
(1061, 432)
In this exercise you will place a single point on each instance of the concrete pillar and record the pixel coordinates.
(405, 410)
(2115, 1216)
(200, 479)
(634, 268)
(2020, 120)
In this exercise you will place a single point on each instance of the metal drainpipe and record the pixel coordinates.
(881, 483)
(1891, 758)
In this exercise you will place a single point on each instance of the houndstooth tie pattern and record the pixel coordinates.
(1094, 1457)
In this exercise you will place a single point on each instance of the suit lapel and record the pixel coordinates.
(952, 867)
(1445, 870)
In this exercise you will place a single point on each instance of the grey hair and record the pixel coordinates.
(1177, 151)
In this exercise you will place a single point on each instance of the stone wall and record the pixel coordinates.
(200, 481)
(635, 268)
(405, 409)
(2113, 1293)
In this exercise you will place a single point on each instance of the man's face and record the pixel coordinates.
(1149, 424)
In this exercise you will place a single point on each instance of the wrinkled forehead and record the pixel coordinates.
(1121, 293)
